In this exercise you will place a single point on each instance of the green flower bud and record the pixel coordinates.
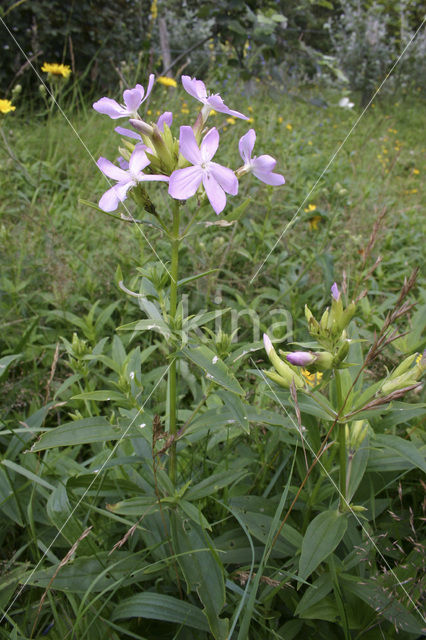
(286, 374)
(404, 366)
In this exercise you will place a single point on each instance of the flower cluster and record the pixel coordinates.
(186, 163)
(329, 332)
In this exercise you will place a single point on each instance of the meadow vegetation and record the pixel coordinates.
(249, 537)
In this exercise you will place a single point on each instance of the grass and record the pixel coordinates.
(61, 305)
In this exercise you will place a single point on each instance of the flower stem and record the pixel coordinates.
(172, 387)
(342, 443)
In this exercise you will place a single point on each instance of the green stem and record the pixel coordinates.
(172, 390)
(342, 443)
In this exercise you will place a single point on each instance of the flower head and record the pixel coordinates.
(262, 166)
(56, 69)
(126, 179)
(6, 106)
(217, 180)
(132, 98)
(197, 89)
(166, 81)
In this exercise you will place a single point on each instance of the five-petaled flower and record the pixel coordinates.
(125, 179)
(262, 167)
(217, 180)
(132, 98)
(197, 89)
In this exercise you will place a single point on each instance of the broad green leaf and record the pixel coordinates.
(381, 600)
(321, 538)
(216, 369)
(82, 431)
(157, 606)
(405, 449)
(237, 408)
(5, 363)
(93, 573)
(213, 484)
(320, 588)
(135, 506)
(147, 325)
(202, 569)
(194, 513)
(28, 474)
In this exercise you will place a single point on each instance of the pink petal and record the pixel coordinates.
(165, 118)
(274, 179)
(264, 163)
(138, 160)
(209, 145)
(110, 108)
(184, 183)
(225, 177)
(128, 133)
(133, 98)
(111, 170)
(246, 145)
(215, 193)
(109, 201)
(122, 188)
(150, 85)
(188, 145)
(148, 177)
(195, 88)
(216, 103)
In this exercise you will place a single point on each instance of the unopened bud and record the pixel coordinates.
(404, 366)
(285, 372)
(142, 127)
(301, 358)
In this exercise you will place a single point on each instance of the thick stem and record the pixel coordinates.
(172, 387)
(342, 444)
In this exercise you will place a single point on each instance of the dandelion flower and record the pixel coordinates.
(6, 106)
(166, 81)
(55, 69)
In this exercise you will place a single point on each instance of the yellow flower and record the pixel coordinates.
(213, 112)
(149, 112)
(166, 81)
(56, 69)
(416, 172)
(310, 207)
(311, 378)
(230, 120)
(310, 143)
(184, 110)
(280, 119)
(6, 106)
(313, 223)
(250, 119)
(289, 127)
(250, 109)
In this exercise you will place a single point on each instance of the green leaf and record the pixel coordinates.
(6, 362)
(27, 474)
(237, 408)
(214, 483)
(157, 606)
(405, 449)
(83, 431)
(101, 396)
(216, 369)
(320, 588)
(321, 538)
(194, 513)
(381, 600)
(202, 569)
(147, 325)
(185, 281)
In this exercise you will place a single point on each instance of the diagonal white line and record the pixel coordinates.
(359, 521)
(296, 215)
(113, 450)
(80, 139)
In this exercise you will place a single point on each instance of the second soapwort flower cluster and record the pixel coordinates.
(186, 163)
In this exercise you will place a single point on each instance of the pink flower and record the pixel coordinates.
(126, 179)
(217, 180)
(133, 98)
(197, 89)
(262, 166)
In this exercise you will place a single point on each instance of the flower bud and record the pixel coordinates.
(142, 127)
(313, 325)
(404, 366)
(286, 374)
(355, 434)
(406, 380)
(301, 358)
(342, 352)
(323, 360)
